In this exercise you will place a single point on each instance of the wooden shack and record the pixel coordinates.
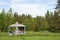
(16, 29)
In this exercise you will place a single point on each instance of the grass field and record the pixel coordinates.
(31, 36)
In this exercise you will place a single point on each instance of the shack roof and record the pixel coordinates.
(17, 25)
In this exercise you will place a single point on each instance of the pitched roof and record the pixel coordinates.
(17, 25)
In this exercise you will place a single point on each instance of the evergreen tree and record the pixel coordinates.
(56, 19)
(16, 16)
(58, 5)
(10, 10)
(47, 16)
(2, 15)
(56, 22)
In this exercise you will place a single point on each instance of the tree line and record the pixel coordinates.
(50, 22)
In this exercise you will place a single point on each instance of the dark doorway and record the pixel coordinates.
(21, 29)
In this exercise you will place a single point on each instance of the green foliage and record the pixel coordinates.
(12, 28)
(49, 22)
(56, 22)
(32, 24)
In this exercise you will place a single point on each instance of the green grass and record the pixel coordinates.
(31, 36)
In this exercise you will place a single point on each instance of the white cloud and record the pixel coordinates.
(3, 3)
(16, 1)
(0, 10)
(32, 9)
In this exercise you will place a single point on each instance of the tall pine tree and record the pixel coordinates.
(56, 18)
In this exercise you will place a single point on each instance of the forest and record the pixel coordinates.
(50, 22)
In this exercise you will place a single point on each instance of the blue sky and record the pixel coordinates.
(32, 7)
